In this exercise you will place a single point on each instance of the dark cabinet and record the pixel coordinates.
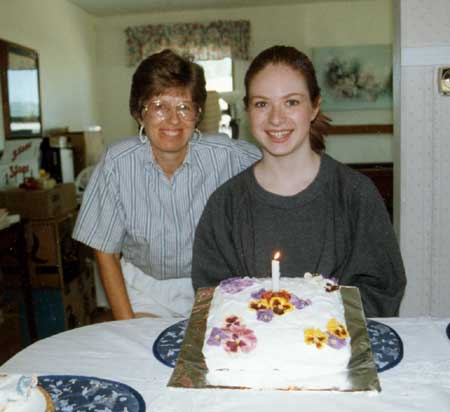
(382, 175)
(46, 282)
(17, 322)
(62, 276)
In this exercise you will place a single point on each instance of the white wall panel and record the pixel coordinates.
(424, 154)
(416, 157)
(440, 300)
(428, 23)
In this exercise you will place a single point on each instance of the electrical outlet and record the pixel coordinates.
(444, 81)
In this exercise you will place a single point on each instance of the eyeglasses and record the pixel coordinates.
(161, 110)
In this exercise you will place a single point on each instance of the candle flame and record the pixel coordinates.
(276, 256)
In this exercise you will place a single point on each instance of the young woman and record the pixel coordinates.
(321, 215)
(147, 194)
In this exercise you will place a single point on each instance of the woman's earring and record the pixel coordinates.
(197, 134)
(142, 136)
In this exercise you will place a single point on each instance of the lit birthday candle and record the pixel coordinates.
(276, 272)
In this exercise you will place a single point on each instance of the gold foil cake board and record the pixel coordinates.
(190, 370)
(362, 370)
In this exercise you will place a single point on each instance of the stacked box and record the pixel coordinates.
(55, 256)
(40, 204)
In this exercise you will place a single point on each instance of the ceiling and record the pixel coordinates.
(103, 8)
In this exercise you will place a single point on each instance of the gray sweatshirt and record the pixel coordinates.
(338, 226)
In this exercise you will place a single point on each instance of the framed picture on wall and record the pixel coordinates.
(354, 77)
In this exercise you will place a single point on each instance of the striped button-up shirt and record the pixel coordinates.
(130, 206)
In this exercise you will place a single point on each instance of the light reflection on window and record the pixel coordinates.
(218, 73)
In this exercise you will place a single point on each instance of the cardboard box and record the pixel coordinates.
(40, 204)
(55, 257)
(20, 160)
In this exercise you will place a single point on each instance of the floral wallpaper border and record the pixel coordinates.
(212, 41)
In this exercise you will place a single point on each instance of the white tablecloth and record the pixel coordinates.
(122, 351)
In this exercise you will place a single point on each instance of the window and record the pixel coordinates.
(218, 73)
(219, 77)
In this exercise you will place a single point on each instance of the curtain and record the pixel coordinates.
(211, 41)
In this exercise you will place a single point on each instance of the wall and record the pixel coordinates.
(64, 36)
(423, 120)
(303, 26)
(116, 76)
(353, 23)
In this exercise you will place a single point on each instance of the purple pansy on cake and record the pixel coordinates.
(299, 303)
(235, 285)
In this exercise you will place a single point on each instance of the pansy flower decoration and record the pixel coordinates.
(331, 285)
(242, 339)
(337, 329)
(315, 337)
(277, 303)
(264, 315)
(335, 342)
(280, 305)
(217, 336)
(300, 303)
(233, 336)
(235, 285)
(335, 336)
(259, 294)
(232, 320)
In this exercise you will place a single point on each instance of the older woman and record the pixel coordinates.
(323, 216)
(146, 196)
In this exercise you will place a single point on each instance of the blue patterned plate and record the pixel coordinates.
(167, 345)
(87, 394)
(387, 347)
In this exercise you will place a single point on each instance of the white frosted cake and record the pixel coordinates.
(20, 393)
(294, 338)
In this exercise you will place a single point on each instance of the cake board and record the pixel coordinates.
(190, 370)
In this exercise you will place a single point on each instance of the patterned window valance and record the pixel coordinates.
(215, 40)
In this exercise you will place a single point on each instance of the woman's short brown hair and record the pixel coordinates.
(298, 61)
(162, 71)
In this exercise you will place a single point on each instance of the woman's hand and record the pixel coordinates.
(139, 315)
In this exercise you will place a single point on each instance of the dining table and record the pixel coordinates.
(123, 352)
